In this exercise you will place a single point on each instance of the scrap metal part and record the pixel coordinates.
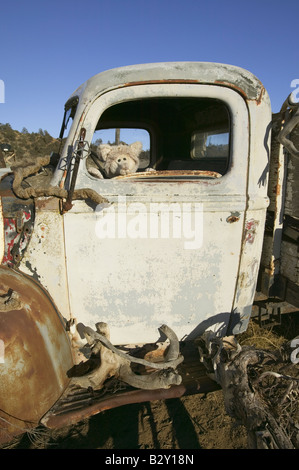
(291, 122)
(81, 404)
(78, 403)
(107, 361)
(239, 371)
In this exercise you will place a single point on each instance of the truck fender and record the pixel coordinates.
(35, 353)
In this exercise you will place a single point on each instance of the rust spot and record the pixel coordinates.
(241, 91)
(231, 85)
(232, 218)
(262, 92)
(277, 189)
(171, 174)
(50, 204)
(6, 192)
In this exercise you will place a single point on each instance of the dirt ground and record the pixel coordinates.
(191, 422)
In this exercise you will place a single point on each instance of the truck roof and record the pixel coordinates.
(190, 72)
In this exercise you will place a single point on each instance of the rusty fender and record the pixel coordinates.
(35, 353)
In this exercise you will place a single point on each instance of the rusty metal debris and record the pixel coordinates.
(79, 404)
(107, 361)
(286, 130)
(269, 411)
(90, 394)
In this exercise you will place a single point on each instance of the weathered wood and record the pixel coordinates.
(292, 186)
(292, 293)
(269, 266)
(276, 158)
(280, 253)
(289, 265)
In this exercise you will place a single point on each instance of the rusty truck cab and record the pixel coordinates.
(205, 131)
(176, 243)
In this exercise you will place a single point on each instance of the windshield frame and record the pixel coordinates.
(70, 109)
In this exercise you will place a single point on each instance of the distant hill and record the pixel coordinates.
(24, 145)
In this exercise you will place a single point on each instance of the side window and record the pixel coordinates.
(210, 145)
(211, 149)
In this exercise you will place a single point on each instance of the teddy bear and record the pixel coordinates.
(117, 160)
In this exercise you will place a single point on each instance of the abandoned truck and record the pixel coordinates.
(168, 213)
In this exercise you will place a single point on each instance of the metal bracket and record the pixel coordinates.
(81, 149)
(78, 153)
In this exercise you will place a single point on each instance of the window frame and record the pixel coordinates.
(239, 128)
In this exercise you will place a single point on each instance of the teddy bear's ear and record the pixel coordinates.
(103, 151)
(136, 148)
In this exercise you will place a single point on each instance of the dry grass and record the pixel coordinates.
(261, 338)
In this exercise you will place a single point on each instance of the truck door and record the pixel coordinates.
(179, 244)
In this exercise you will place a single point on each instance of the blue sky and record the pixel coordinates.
(48, 48)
